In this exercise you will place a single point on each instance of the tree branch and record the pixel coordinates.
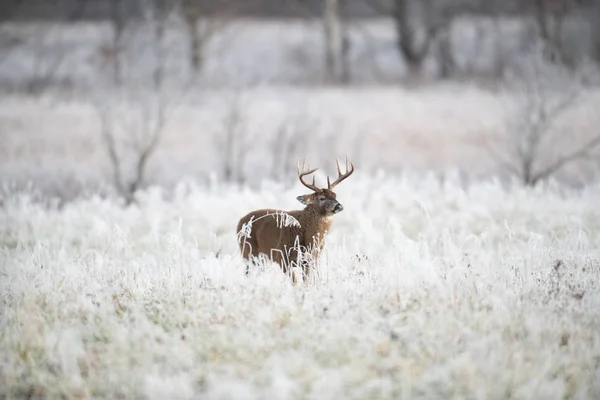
(582, 152)
(111, 147)
(498, 157)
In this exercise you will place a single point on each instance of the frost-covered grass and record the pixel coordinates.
(425, 291)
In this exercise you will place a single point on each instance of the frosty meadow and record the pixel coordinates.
(425, 290)
(465, 263)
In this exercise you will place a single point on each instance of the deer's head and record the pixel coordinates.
(324, 200)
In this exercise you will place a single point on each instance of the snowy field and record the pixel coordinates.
(441, 279)
(426, 291)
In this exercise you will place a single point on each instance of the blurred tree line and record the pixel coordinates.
(101, 9)
(421, 25)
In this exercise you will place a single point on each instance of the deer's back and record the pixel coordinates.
(268, 230)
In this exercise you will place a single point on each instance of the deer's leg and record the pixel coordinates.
(247, 245)
(307, 266)
(308, 263)
(278, 256)
(305, 271)
(298, 260)
(251, 261)
(289, 258)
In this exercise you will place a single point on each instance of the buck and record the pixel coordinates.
(293, 238)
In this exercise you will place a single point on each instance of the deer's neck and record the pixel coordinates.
(316, 225)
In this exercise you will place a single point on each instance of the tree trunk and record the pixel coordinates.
(528, 172)
(159, 33)
(118, 23)
(336, 45)
(550, 16)
(542, 19)
(414, 53)
(191, 16)
(500, 56)
(446, 54)
(595, 15)
(196, 47)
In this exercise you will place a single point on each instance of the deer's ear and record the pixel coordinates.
(306, 199)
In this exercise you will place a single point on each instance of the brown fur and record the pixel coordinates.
(278, 242)
(268, 234)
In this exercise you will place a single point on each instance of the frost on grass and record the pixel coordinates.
(424, 291)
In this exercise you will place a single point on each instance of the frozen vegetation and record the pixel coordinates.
(442, 278)
(427, 290)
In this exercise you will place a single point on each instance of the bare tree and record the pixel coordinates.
(198, 36)
(415, 31)
(336, 42)
(290, 143)
(132, 122)
(283, 146)
(447, 63)
(48, 55)
(204, 22)
(421, 24)
(192, 12)
(550, 17)
(46, 60)
(233, 141)
(594, 15)
(118, 24)
(545, 93)
(131, 132)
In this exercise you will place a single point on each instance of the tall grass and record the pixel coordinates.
(426, 290)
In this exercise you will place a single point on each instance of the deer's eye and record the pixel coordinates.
(321, 198)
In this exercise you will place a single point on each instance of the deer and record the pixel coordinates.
(293, 238)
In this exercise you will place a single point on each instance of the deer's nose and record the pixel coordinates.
(338, 207)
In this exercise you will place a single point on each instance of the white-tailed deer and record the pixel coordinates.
(293, 238)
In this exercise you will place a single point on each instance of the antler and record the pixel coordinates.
(341, 176)
(302, 173)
